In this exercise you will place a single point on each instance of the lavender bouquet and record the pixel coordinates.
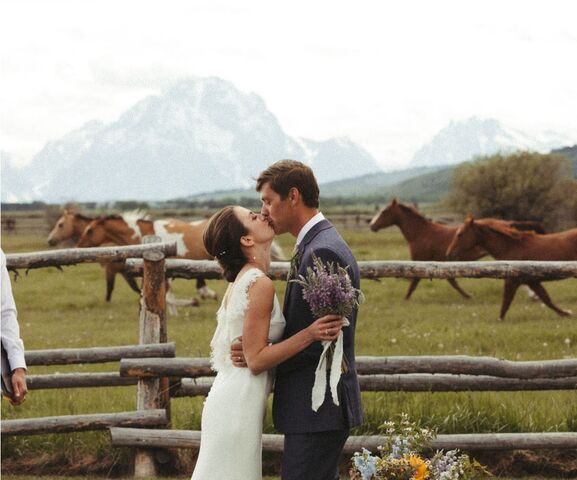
(327, 289)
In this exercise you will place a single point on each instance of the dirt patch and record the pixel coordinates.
(180, 463)
(561, 464)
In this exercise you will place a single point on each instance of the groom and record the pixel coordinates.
(313, 440)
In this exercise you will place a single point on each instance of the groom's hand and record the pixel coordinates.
(236, 354)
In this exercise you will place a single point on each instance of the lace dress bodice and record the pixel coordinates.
(230, 319)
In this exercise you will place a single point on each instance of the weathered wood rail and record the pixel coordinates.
(389, 269)
(74, 256)
(415, 382)
(274, 443)
(450, 364)
(81, 423)
(78, 380)
(67, 356)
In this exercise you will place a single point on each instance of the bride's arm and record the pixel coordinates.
(261, 356)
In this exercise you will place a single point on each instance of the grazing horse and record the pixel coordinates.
(505, 243)
(130, 227)
(69, 228)
(428, 240)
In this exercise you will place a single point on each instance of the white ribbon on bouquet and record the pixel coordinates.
(320, 385)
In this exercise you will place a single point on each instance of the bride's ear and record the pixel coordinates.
(246, 241)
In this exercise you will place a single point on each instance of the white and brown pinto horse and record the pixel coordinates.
(130, 227)
(505, 243)
(69, 228)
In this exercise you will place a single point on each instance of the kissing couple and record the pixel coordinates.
(256, 343)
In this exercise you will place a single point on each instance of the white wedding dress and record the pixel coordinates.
(233, 413)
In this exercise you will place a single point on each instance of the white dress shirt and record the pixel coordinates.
(319, 217)
(9, 328)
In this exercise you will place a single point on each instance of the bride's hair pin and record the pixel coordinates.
(221, 254)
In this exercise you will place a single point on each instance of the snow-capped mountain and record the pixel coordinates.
(15, 185)
(200, 135)
(462, 141)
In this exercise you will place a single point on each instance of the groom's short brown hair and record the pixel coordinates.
(286, 174)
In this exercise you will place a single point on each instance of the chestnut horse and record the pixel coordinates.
(69, 228)
(130, 227)
(505, 243)
(428, 240)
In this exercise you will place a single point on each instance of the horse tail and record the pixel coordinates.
(276, 252)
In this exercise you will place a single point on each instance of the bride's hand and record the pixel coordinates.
(326, 328)
(236, 353)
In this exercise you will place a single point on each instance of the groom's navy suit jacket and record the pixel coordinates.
(292, 411)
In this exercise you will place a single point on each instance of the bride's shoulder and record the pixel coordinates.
(261, 284)
(254, 280)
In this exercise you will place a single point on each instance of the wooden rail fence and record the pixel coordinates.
(151, 365)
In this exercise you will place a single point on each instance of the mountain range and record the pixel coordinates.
(200, 135)
(464, 140)
(203, 136)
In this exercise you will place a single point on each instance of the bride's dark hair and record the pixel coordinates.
(221, 239)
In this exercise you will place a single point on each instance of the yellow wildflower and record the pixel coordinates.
(420, 466)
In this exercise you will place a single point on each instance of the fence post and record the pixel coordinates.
(152, 393)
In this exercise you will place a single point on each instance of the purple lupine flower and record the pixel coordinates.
(328, 289)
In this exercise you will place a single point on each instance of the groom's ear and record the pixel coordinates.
(294, 195)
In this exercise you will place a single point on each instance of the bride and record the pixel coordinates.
(233, 413)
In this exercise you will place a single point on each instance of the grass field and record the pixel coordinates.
(67, 309)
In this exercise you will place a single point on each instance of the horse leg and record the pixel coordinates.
(546, 299)
(110, 276)
(172, 302)
(530, 293)
(204, 291)
(412, 286)
(511, 286)
(456, 286)
(131, 282)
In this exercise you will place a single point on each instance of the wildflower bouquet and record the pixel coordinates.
(327, 289)
(401, 458)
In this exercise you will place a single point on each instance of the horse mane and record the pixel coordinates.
(79, 216)
(132, 215)
(413, 211)
(506, 231)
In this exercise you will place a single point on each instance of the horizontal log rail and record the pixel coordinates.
(451, 364)
(78, 380)
(67, 356)
(390, 269)
(417, 382)
(131, 437)
(81, 423)
(166, 367)
(73, 256)
(466, 365)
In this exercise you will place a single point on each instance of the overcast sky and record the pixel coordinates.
(387, 74)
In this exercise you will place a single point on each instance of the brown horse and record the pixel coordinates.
(68, 228)
(130, 227)
(505, 243)
(428, 240)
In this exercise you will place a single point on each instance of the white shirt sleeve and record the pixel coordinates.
(10, 330)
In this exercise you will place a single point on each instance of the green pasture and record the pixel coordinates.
(65, 309)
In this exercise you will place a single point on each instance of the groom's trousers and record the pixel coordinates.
(313, 456)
